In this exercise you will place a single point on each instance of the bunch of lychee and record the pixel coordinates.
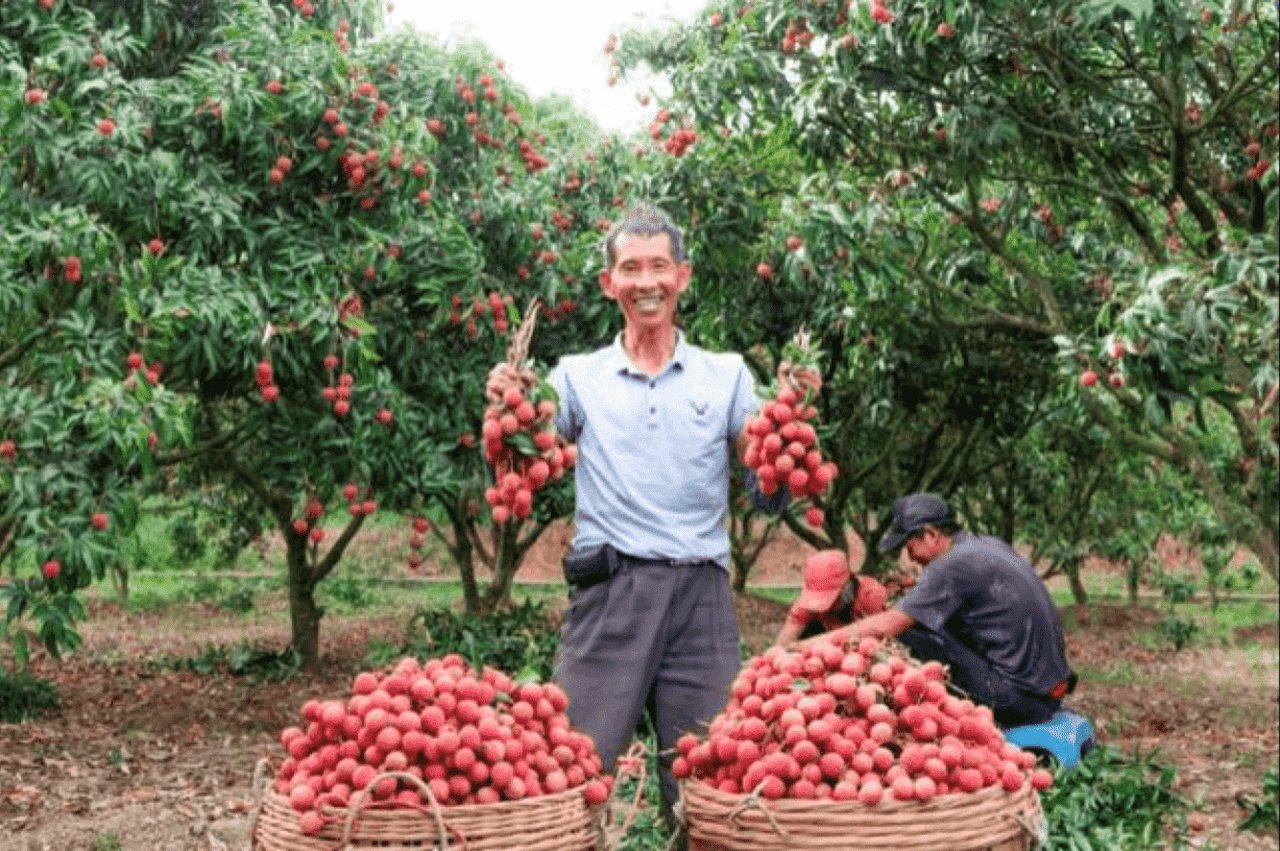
(522, 446)
(782, 445)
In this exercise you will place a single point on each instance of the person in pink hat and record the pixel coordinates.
(833, 596)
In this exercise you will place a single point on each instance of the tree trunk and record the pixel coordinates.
(120, 579)
(510, 554)
(1078, 592)
(304, 614)
(462, 551)
(1261, 540)
(745, 546)
(739, 564)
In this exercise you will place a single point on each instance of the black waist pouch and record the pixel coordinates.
(589, 567)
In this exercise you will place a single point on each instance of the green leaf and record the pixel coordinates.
(21, 653)
(522, 441)
(17, 602)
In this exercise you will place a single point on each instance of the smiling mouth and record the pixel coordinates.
(647, 304)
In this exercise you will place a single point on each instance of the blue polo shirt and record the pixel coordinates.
(654, 452)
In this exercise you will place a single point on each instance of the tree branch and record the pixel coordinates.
(1180, 183)
(8, 536)
(994, 318)
(1237, 91)
(523, 544)
(331, 558)
(1125, 435)
(181, 456)
(18, 350)
(277, 503)
(1044, 291)
(887, 448)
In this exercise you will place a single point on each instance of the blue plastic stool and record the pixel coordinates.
(1066, 737)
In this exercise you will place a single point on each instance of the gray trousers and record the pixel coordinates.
(1011, 706)
(655, 637)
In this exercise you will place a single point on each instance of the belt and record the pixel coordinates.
(666, 562)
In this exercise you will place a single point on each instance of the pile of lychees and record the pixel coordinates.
(471, 737)
(861, 723)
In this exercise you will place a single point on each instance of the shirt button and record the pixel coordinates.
(653, 410)
(652, 384)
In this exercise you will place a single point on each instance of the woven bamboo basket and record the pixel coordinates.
(988, 820)
(560, 822)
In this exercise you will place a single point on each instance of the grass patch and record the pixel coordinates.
(1243, 623)
(1114, 800)
(1121, 673)
(649, 831)
(155, 591)
(777, 595)
(23, 696)
(107, 842)
(521, 640)
(1263, 810)
(240, 660)
(1200, 625)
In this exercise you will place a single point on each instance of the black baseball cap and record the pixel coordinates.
(911, 514)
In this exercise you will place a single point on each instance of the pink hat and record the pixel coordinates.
(825, 574)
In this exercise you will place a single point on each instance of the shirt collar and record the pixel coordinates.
(619, 361)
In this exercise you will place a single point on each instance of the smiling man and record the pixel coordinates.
(658, 422)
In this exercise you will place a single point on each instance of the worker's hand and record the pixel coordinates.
(801, 379)
(501, 378)
(838, 636)
(788, 634)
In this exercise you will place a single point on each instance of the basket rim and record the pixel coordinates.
(554, 799)
(949, 801)
(975, 820)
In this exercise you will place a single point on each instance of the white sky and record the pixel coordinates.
(555, 45)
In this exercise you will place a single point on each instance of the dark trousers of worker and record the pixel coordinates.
(655, 637)
(976, 677)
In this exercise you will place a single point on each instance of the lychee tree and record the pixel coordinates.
(1057, 204)
(266, 250)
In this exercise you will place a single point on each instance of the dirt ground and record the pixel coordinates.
(163, 760)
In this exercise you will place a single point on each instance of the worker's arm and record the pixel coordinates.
(789, 633)
(797, 620)
(887, 624)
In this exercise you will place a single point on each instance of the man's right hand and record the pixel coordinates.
(801, 379)
(501, 378)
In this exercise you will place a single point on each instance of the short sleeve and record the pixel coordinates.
(934, 599)
(799, 616)
(569, 415)
(744, 402)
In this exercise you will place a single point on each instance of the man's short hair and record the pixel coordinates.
(948, 528)
(644, 220)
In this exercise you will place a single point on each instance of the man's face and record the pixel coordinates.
(926, 545)
(645, 281)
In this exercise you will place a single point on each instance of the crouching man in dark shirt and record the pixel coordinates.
(979, 608)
